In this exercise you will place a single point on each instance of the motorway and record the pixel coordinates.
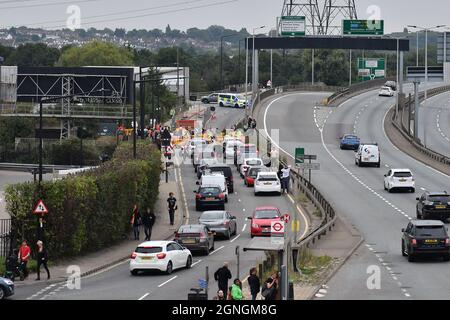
(435, 123)
(358, 194)
(117, 283)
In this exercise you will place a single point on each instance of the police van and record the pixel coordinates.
(231, 100)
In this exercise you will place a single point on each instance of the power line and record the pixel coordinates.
(120, 13)
(48, 4)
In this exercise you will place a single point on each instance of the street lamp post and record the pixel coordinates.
(254, 68)
(221, 58)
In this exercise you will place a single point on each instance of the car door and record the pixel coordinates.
(182, 255)
(171, 255)
(406, 235)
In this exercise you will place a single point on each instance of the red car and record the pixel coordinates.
(251, 174)
(261, 220)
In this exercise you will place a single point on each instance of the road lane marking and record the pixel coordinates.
(166, 282)
(236, 237)
(144, 296)
(217, 250)
(196, 262)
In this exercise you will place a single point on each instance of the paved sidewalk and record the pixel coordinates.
(95, 262)
(339, 244)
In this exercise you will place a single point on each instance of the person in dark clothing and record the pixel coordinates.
(270, 283)
(222, 275)
(42, 258)
(172, 204)
(148, 219)
(254, 283)
(135, 222)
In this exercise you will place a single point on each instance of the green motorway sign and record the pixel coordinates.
(292, 26)
(299, 154)
(363, 27)
(371, 68)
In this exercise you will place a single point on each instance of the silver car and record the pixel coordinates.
(221, 222)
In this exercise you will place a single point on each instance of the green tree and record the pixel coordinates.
(33, 55)
(96, 53)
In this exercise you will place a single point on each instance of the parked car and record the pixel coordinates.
(192, 144)
(209, 196)
(249, 162)
(211, 98)
(267, 182)
(230, 148)
(349, 141)
(262, 219)
(425, 238)
(244, 151)
(231, 100)
(391, 84)
(217, 179)
(165, 256)
(202, 152)
(6, 288)
(386, 92)
(195, 237)
(252, 174)
(204, 165)
(226, 171)
(433, 205)
(220, 222)
(368, 154)
(397, 179)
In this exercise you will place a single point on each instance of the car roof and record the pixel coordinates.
(154, 243)
(250, 159)
(401, 170)
(437, 193)
(213, 211)
(268, 173)
(191, 226)
(424, 223)
(210, 186)
(266, 208)
(214, 174)
(218, 165)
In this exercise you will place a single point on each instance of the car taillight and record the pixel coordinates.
(447, 242)
(225, 223)
(221, 196)
(198, 196)
(414, 242)
(202, 236)
(161, 255)
(133, 255)
(255, 225)
(177, 235)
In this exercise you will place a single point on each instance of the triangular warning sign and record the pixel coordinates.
(40, 208)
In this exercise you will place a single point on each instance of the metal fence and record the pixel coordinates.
(5, 237)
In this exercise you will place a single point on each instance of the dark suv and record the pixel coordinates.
(433, 205)
(425, 237)
(209, 196)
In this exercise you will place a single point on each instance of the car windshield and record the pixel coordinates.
(253, 172)
(190, 229)
(439, 198)
(210, 190)
(148, 249)
(403, 174)
(212, 215)
(253, 162)
(385, 88)
(240, 97)
(351, 137)
(430, 231)
(225, 171)
(267, 214)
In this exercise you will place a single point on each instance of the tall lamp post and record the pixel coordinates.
(221, 58)
(254, 69)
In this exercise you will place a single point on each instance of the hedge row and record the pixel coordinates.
(90, 211)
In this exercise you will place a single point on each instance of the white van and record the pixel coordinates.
(231, 100)
(368, 154)
(214, 178)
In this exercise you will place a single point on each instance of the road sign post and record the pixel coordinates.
(40, 210)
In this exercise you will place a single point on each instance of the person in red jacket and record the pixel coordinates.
(24, 257)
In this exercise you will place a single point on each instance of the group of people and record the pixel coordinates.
(223, 275)
(20, 260)
(284, 173)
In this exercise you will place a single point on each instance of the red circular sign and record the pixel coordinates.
(286, 218)
(277, 226)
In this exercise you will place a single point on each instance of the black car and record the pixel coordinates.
(425, 237)
(6, 288)
(210, 196)
(433, 205)
(195, 237)
(227, 172)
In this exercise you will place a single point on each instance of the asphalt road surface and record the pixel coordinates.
(358, 194)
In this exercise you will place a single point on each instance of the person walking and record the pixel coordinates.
(148, 220)
(254, 283)
(24, 257)
(236, 290)
(135, 222)
(222, 275)
(270, 290)
(285, 176)
(172, 204)
(42, 259)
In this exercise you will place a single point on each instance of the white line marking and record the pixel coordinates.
(144, 296)
(232, 240)
(217, 250)
(166, 282)
(196, 262)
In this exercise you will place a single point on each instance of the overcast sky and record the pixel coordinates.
(184, 14)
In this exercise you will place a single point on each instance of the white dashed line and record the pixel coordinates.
(232, 240)
(166, 282)
(217, 250)
(196, 262)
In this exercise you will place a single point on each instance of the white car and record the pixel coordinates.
(250, 162)
(217, 179)
(230, 146)
(245, 151)
(192, 144)
(368, 154)
(267, 182)
(399, 179)
(165, 256)
(386, 92)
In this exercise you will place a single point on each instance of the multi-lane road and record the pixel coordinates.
(358, 193)
(117, 283)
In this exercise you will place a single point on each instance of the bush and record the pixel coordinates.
(90, 211)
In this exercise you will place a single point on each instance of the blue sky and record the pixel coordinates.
(183, 14)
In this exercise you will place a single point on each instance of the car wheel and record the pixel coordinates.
(236, 106)
(226, 199)
(251, 236)
(206, 251)
(413, 190)
(2, 294)
(169, 268)
(134, 272)
(229, 234)
(418, 215)
(221, 104)
(256, 194)
(403, 249)
(378, 164)
(446, 257)
(411, 258)
(389, 189)
(189, 262)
